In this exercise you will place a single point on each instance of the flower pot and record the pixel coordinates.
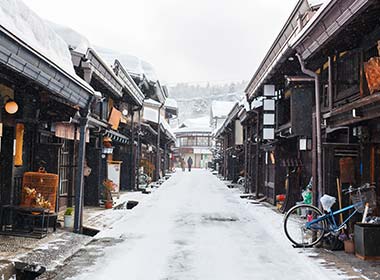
(108, 204)
(349, 246)
(68, 221)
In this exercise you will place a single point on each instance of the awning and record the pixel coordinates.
(116, 136)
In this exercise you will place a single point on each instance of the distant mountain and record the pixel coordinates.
(195, 101)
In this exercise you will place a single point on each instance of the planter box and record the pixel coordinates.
(349, 246)
(367, 241)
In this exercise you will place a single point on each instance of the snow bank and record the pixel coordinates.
(21, 21)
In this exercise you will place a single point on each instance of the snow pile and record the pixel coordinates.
(75, 40)
(221, 109)
(21, 21)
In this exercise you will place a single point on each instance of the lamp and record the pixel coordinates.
(11, 107)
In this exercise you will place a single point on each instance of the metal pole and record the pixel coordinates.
(79, 178)
(318, 123)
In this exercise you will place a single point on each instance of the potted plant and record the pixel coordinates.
(109, 186)
(68, 218)
(348, 240)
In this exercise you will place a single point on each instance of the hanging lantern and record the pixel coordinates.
(11, 107)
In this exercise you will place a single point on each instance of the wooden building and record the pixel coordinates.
(318, 88)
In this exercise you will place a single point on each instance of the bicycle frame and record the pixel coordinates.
(330, 218)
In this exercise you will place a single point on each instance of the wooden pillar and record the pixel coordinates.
(314, 163)
(80, 178)
(330, 83)
(246, 159)
(132, 179)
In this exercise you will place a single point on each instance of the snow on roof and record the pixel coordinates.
(133, 64)
(201, 124)
(151, 102)
(220, 109)
(244, 103)
(17, 18)
(151, 115)
(314, 3)
(75, 40)
(171, 103)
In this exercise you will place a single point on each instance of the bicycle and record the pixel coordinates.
(305, 225)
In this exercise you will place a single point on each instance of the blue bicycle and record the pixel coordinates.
(305, 225)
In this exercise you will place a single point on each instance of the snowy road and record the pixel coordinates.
(194, 227)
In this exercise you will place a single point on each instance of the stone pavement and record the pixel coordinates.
(55, 248)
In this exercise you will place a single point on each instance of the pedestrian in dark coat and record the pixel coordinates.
(189, 163)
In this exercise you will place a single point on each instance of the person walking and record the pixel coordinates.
(183, 164)
(189, 163)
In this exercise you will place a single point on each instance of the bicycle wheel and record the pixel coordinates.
(295, 225)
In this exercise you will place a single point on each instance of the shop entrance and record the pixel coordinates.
(6, 165)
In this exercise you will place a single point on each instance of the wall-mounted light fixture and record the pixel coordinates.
(10, 106)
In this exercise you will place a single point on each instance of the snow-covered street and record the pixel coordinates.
(194, 227)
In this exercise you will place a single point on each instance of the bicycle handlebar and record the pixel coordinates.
(363, 187)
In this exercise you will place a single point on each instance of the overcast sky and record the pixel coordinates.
(184, 40)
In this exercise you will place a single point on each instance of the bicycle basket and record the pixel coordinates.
(366, 196)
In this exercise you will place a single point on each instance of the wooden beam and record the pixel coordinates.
(354, 105)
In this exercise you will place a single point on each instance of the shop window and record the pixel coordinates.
(348, 74)
(191, 141)
(64, 168)
(202, 141)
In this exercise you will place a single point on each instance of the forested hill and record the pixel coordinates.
(195, 100)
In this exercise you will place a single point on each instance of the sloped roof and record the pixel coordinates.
(17, 18)
(201, 125)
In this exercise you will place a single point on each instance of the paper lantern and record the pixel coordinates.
(11, 107)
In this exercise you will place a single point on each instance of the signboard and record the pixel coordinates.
(269, 119)
(269, 90)
(269, 104)
(113, 171)
(186, 150)
(114, 119)
(238, 133)
(268, 133)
